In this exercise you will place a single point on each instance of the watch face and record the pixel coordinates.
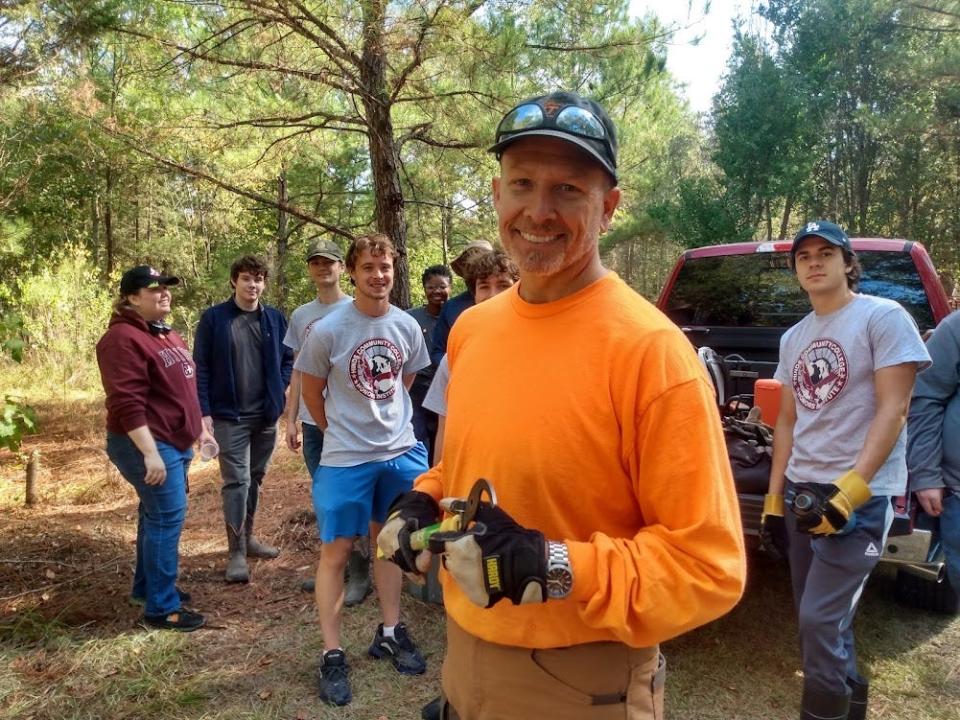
(559, 582)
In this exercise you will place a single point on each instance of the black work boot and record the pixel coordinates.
(820, 705)
(237, 571)
(358, 584)
(858, 699)
(255, 548)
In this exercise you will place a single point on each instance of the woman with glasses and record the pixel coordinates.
(153, 419)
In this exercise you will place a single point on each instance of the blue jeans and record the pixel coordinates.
(312, 446)
(162, 511)
(950, 536)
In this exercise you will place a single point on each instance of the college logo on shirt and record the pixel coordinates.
(820, 373)
(375, 368)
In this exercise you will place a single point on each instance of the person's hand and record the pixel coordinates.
(205, 436)
(773, 528)
(410, 512)
(931, 500)
(825, 509)
(293, 435)
(156, 470)
(208, 423)
(495, 559)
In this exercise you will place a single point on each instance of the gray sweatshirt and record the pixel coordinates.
(933, 430)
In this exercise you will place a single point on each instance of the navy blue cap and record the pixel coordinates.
(831, 232)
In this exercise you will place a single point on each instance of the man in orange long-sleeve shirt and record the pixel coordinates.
(617, 525)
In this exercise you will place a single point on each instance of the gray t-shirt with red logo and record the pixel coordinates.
(301, 320)
(829, 361)
(363, 360)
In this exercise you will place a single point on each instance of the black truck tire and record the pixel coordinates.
(915, 591)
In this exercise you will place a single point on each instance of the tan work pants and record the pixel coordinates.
(596, 681)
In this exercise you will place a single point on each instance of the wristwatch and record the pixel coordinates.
(559, 572)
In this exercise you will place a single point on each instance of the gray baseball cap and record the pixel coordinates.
(324, 248)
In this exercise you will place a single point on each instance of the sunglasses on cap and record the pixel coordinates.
(572, 119)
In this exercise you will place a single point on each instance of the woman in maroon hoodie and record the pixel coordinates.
(153, 419)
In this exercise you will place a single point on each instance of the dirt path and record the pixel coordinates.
(67, 564)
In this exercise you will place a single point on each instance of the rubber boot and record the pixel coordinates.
(819, 705)
(358, 584)
(433, 710)
(237, 571)
(858, 699)
(255, 548)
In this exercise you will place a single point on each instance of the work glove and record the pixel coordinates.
(496, 558)
(825, 509)
(773, 528)
(407, 514)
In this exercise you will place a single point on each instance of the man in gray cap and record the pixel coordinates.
(325, 265)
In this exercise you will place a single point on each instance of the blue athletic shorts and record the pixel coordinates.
(346, 499)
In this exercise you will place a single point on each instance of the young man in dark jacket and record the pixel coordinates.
(243, 369)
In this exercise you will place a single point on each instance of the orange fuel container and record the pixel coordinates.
(766, 396)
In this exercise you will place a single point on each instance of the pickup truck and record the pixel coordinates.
(739, 299)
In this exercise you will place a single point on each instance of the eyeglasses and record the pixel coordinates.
(571, 119)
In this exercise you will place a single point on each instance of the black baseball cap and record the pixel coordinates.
(564, 115)
(831, 232)
(144, 276)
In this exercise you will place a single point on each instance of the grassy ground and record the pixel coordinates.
(69, 648)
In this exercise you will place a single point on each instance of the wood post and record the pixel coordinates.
(33, 465)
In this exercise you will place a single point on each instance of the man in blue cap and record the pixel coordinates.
(839, 456)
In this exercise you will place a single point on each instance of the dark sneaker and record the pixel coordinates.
(185, 598)
(400, 649)
(332, 679)
(432, 710)
(181, 621)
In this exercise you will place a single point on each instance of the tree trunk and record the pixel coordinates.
(280, 259)
(95, 233)
(446, 229)
(384, 159)
(33, 465)
(785, 220)
(108, 221)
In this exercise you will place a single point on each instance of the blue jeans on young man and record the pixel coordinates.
(312, 447)
(950, 536)
(162, 511)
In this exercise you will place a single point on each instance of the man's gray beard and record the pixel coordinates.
(538, 263)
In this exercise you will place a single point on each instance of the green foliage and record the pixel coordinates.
(11, 336)
(701, 214)
(17, 419)
(65, 310)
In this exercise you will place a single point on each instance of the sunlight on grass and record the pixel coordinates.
(133, 674)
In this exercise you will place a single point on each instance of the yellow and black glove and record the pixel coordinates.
(410, 512)
(825, 509)
(494, 559)
(773, 529)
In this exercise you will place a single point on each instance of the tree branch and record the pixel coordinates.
(284, 121)
(249, 194)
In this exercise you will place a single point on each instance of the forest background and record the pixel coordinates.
(183, 133)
